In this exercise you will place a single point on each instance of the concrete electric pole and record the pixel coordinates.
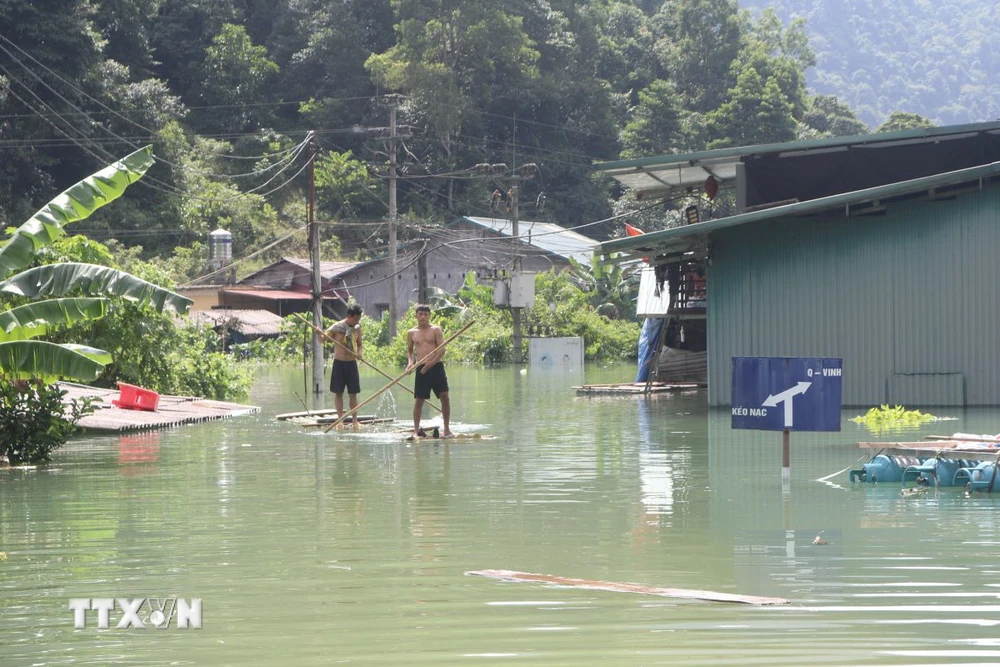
(317, 278)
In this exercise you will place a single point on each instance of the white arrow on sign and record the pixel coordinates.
(786, 398)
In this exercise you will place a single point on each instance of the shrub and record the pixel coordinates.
(33, 422)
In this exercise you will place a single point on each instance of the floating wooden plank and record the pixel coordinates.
(964, 437)
(330, 415)
(307, 422)
(308, 413)
(924, 448)
(618, 587)
(632, 388)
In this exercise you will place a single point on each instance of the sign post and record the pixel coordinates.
(787, 394)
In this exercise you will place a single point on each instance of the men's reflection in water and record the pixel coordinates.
(428, 505)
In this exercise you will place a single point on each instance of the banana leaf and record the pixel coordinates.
(76, 203)
(35, 319)
(25, 359)
(61, 279)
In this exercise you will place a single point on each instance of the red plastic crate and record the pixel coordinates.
(136, 398)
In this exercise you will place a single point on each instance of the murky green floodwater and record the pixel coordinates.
(312, 549)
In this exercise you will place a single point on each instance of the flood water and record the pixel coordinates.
(340, 548)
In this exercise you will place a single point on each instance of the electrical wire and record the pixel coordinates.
(295, 150)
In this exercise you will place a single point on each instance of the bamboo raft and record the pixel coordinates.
(306, 421)
(636, 388)
(619, 587)
(448, 438)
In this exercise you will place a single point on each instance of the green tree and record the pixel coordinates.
(180, 34)
(236, 76)
(450, 60)
(757, 112)
(904, 120)
(36, 40)
(701, 40)
(656, 126)
(827, 116)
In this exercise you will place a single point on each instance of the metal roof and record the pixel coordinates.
(542, 235)
(328, 270)
(247, 322)
(691, 237)
(661, 174)
(280, 294)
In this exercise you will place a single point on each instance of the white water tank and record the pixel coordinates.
(220, 248)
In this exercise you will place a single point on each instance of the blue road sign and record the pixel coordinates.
(797, 393)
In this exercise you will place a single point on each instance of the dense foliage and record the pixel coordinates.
(936, 59)
(227, 91)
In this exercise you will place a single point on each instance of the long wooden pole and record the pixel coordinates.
(362, 359)
(395, 381)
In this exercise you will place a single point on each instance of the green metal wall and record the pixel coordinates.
(909, 300)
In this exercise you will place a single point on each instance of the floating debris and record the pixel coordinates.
(620, 587)
(886, 419)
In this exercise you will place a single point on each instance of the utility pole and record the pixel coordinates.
(510, 180)
(516, 310)
(393, 278)
(317, 279)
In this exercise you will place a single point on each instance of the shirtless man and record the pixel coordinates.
(345, 375)
(420, 341)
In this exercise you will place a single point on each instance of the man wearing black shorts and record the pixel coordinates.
(346, 335)
(423, 340)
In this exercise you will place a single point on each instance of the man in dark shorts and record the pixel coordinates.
(346, 332)
(423, 340)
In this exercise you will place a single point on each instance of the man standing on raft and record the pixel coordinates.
(346, 332)
(421, 340)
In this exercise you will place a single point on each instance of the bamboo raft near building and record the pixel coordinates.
(637, 388)
(170, 410)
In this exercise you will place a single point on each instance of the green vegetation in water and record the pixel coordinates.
(885, 419)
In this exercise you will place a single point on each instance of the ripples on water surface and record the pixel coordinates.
(314, 549)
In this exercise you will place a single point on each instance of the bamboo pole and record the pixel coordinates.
(361, 359)
(395, 381)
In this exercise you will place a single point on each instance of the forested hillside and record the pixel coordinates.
(937, 58)
(228, 92)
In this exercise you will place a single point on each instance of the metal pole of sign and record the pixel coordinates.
(786, 469)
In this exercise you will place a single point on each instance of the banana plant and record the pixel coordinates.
(68, 292)
(611, 288)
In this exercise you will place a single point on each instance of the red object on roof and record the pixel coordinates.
(633, 231)
(136, 398)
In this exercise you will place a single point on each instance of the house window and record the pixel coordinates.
(382, 309)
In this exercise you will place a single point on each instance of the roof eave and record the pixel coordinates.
(655, 242)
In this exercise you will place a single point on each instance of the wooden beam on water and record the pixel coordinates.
(619, 587)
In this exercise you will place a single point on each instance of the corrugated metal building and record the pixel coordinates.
(897, 277)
